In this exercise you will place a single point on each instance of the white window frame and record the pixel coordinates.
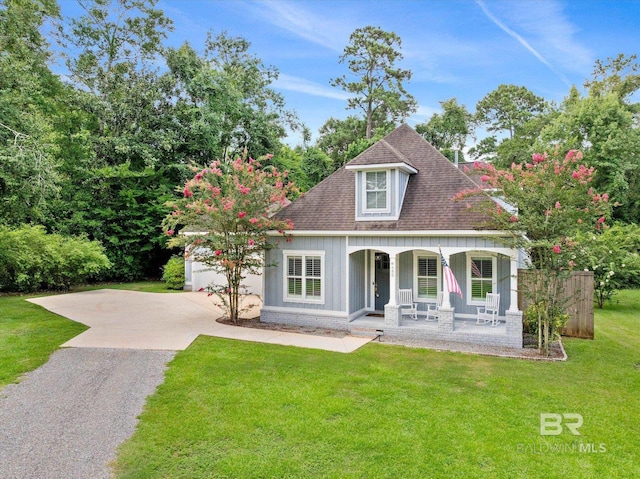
(387, 208)
(494, 275)
(424, 254)
(286, 254)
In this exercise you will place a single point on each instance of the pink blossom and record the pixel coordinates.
(217, 252)
(253, 221)
(198, 176)
(556, 249)
(570, 155)
(557, 205)
(243, 189)
(242, 214)
(513, 218)
(269, 156)
(579, 220)
(605, 197)
(485, 178)
(575, 174)
(572, 263)
(251, 242)
(538, 158)
(170, 233)
(187, 192)
(600, 220)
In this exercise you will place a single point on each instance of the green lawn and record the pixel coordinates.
(29, 334)
(243, 410)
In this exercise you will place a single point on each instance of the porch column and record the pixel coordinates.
(446, 301)
(393, 280)
(513, 286)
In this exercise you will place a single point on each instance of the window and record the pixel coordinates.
(481, 272)
(303, 277)
(426, 283)
(376, 190)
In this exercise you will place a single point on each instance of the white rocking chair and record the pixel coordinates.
(406, 303)
(433, 309)
(489, 312)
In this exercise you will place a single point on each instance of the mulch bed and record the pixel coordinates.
(256, 323)
(529, 351)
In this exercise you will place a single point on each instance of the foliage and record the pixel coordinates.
(31, 260)
(173, 273)
(225, 104)
(471, 412)
(228, 209)
(543, 206)
(29, 159)
(448, 131)
(377, 88)
(613, 257)
(605, 128)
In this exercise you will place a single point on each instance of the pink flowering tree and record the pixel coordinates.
(227, 210)
(545, 206)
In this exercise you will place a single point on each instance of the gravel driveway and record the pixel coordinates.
(67, 418)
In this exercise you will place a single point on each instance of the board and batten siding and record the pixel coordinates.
(431, 242)
(334, 272)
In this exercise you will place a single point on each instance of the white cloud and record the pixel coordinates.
(522, 41)
(300, 85)
(321, 30)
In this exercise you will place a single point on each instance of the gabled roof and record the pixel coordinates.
(428, 203)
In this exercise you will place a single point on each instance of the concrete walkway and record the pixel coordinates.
(161, 321)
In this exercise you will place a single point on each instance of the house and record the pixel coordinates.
(378, 225)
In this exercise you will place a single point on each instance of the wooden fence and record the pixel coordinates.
(578, 292)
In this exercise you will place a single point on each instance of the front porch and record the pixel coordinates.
(507, 333)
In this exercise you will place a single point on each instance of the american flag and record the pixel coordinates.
(475, 269)
(452, 283)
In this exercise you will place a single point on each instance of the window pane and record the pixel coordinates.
(480, 288)
(376, 199)
(381, 180)
(313, 287)
(313, 266)
(372, 181)
(294, 286)
(482, 268)
(427, 288)
(295, 266)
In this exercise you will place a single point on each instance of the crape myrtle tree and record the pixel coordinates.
(545, 205)
(229, 207)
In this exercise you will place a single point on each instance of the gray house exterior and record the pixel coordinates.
(378, 225)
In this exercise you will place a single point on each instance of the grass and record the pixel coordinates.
(29, 334)
(142, 286)
(244, 410)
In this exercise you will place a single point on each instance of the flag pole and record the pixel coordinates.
(446, 301)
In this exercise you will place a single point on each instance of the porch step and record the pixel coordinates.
(366, 332)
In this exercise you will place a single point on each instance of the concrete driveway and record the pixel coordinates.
(162, 321)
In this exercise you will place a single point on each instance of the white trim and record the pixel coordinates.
(424, 254)
(454, 233)
(285, 269)
(401, 166)
(305, 311)
(387, 190)
(494, 271)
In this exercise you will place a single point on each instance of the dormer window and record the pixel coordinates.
(376, 191)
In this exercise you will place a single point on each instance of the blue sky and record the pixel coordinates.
(457, 48)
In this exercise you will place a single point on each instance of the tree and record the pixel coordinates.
(619, 76)
(613, 258)
(507, 108)
(232, 205)
(544, 205)
(378, 85)
(225, 102)
(605, 129)
(449, 130)
(29, 99)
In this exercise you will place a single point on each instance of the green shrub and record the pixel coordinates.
(32, 260)
(174, 273)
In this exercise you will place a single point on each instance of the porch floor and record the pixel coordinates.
(466, 325)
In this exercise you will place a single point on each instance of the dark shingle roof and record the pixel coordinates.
(428, 203)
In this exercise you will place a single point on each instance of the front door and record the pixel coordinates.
(381, 288)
